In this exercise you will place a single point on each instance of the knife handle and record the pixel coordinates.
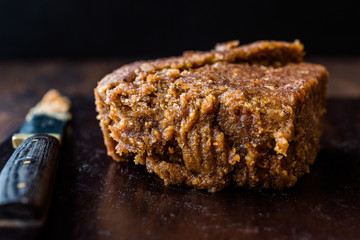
(27, 178)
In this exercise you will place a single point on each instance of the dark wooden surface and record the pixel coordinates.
(97, 198)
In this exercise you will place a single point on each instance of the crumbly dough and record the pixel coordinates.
(248, 114)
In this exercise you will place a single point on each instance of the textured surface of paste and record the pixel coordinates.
(248, 114)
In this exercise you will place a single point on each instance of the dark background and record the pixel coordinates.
(87, 28)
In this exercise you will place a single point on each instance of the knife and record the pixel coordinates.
(27, 178)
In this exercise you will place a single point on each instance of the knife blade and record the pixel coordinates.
(27, 178)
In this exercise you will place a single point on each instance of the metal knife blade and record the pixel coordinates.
(27, 178)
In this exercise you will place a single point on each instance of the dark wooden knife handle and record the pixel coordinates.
(27, 178)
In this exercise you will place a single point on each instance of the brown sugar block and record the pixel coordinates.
(251, 114)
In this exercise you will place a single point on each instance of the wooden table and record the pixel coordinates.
(97, 198)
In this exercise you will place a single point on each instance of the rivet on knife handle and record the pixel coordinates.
(18, 138)
(27, 178)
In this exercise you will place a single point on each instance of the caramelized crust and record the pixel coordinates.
(250, 114)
